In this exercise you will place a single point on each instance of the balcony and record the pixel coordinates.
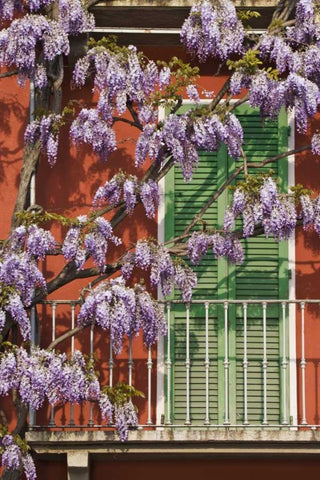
(240, 372)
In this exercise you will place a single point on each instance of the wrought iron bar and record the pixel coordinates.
(168, 365)
(187, 363)
(265, 365)
(303, 365)
(226, 364)
(245, 364)
(207, 365)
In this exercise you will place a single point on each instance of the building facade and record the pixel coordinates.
(233, 389)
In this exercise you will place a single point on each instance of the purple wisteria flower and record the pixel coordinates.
(213, 30)
(229, 221)
(129, 194)
(197, 247)
(239, 202)
(40, 242)
(186, 280)
(42, 130)
(149, 194)
(268, 195)
(39, 375)
(315, 144)
(124, 311)
(307, 211)
(91, 129)
(21, 272)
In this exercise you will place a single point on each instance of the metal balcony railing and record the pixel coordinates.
(223, 364)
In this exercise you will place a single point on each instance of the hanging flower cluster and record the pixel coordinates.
(45, 375)
(20, 41)
(295, 53)
(123, 311)
(89, 239)
(222, 245)
(213, 30)
(122, 77)
(277, 214)
(45, 131)
(163, 271)
(36, 241)
(123, 415)
(90, 128)
(128, 188)
(182, 136)
(19, 277)
(15, 456)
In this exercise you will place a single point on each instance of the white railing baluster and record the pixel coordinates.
(168, 365)
(149, 366)
(53, 337)
(188, 422)
(284, 365)
(111, 363)
(71, 421)
(91, 423)
(245, 363)
(32, 413)
(265, 365)
(303, 365)
(165, 410)
(130, 362)
(226, 364)
(207, 365)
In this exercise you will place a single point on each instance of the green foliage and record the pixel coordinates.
(121, 393)
(244, 15)
(110, 43)
(276, 24)
(28, 218)
(298, 191)
(22, 444)
(252, 183)
(272, 73)
(5, 292)
(249, 63)
(183, 74)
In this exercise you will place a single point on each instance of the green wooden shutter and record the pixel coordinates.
(262, 275)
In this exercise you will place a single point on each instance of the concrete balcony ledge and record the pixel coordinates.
(183, 441)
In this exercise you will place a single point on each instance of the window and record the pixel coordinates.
(219, 391)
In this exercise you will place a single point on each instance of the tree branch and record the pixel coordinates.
(70, 273)
(65, 336)
(126, 120)
(134, 115)
(8, 74)
(233, 177)
(30, 160)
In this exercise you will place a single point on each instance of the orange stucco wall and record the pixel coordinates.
(307, 172)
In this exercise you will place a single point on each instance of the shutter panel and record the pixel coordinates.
(189, 198)
(258, 278)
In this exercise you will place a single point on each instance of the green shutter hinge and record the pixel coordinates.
(289, 274)
(289, 130)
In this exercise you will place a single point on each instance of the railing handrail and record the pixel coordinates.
(201, 301)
